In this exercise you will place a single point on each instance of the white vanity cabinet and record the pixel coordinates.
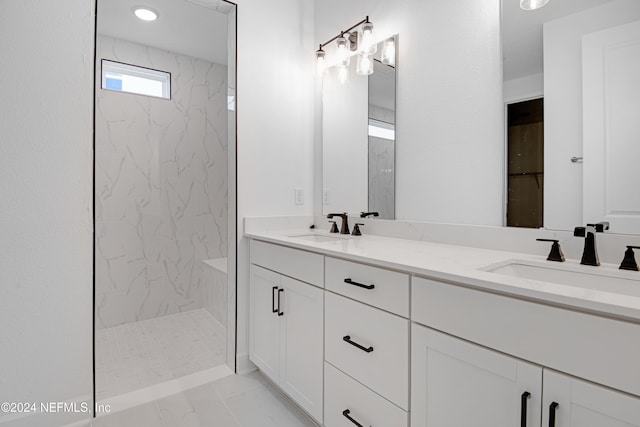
(286, 334)
(366, 345)
(356, 344)
(456, 383)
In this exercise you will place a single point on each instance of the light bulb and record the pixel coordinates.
(320, 61)
(343, 74)
(368, 44)
(342, 53)
(365, 65)
(145, 13)
(389, 52)
(532, 4)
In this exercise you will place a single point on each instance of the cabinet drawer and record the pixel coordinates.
(385, 368)
(366, 407)
(305, 266)
(390, 289)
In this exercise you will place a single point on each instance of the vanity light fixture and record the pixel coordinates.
(145, 13)
(388, 55)
(321, 64)
(532, 4)
(348, 41)
(365, 65)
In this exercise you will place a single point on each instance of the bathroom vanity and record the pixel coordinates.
(379, 331)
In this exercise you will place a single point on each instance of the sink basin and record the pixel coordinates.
(318, 238)
(580, 276)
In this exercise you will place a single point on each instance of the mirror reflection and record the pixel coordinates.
(569, 99)
(359, 117)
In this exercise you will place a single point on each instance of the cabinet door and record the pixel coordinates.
(455, 383)
(301, 344)
(582, 404)
(264, 332)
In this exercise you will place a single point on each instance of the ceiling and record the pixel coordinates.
(522, 33)
(195, 28)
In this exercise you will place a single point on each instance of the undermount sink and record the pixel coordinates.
(580, 276)
(318, 238)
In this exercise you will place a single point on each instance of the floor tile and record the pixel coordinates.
(264, 406)
(137, 355)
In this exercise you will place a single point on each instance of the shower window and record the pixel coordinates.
(137, 80)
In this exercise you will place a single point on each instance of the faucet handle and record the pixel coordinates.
(629, 261)
(600, 227)
(334, 227)
(580, 231)
(556, 252)
(356, 229)
(367, 214)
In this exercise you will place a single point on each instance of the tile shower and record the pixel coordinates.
(161, 212)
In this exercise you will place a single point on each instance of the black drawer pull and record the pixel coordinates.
(273, 299)
(346, 413)
(347, 338)
(280, 312)
(360, 285)
(552, 414)
(523, 408)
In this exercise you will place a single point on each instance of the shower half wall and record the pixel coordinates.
(161, 187)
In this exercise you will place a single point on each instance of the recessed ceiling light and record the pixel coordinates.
(532, 4)
(145, 13)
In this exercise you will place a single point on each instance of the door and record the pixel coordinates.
(264, 332)
(301, 344)
(455, 383)
(611, 89)
(576, 403)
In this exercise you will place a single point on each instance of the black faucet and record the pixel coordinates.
(344, 229)
(590, 253)
(367, 214)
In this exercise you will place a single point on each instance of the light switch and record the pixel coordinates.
(325, 196)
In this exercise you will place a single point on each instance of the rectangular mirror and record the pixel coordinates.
(578, 58)
(359, 139)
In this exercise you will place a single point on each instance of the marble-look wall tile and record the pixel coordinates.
(161, 186)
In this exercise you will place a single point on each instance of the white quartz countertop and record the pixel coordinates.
(463, 265)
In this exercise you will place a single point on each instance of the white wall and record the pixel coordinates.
(523, 88)
(275, 121)
(563, 106)
(46, 82)
(450, 108)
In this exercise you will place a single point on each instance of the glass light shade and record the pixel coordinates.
(365, 65)
(342, 52)
(321, 64)
(145, 13)
(368, 45)
(389, 52)
(343, 74)
(532, 4)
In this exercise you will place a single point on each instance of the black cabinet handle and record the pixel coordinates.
(280, 312)
(346, 413)
(360, 285)
(347, 338)
(273, 299)
(523, 408)
(552, 414)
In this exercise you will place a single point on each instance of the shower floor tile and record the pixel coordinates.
(137, 355)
